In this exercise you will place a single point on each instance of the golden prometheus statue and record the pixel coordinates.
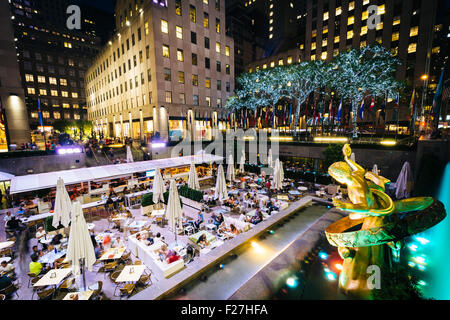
(375, 225)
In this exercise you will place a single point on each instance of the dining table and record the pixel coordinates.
(131, 273)
(6, 244)
(80, 295)
(112, 254)
(53, 277)
(51, 256)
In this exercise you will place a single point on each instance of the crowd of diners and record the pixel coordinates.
(246, 193)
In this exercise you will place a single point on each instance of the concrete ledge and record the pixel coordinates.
(166, 287)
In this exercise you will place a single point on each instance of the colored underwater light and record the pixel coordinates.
(338, 266)
(422, 241)
(421, 283)
(419, 260)
(331, 276)
(323, 255)
(412, 247)
(411, 264)
(292, 282)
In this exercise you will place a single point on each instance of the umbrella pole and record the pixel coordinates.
(84, 273)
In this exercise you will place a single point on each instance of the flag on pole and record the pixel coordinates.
(372, 104)
(40, 114)
(437, 100)
(396, 106)
(339, 112)
(330, 113)
(412, 103)
(361, 110)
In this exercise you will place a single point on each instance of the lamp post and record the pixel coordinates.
(424, 78)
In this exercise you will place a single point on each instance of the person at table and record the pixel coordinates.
(163, 252)
(118, 243)
(217, 219)
(109, 200)
(234, 230)
(112, 193)
(36, 252)
(35, 266)
(98, 249)
(7, 269)
(104, 197)
(14, 224)
(56, 240)
(172, 256)
(40, 233)
(8, 216)
(5, 282)
(202, 241)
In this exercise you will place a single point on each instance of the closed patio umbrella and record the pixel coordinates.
(352, 157)
(242, 162)
(404, 183)
(269, 159)
(230, 170)
(158, 187)
(277, 175)
(63, 205)
(80, 250)
(174, 210)
(129, 155)
(193, 178)
(221, 185)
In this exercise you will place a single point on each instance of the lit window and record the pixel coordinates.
(336, 39)
(324, 42)
(42, 92)
(227, 51)
(362, 44)
(289, 60)
(351, 6)
(350, 34)
(338, 11)
(164, 26)
(436, 50)
(324, 55)
(180, 77)
(280, 62)
(66, 105)
(180, 56)
(146, 28)
(195, 80)
(365, 15)
(325, 16)
(270, 36)
(206, 20)
(165, 49)
(351, 20)
(67, 44)
(76, 106)
(41, 79)
(54, 93)
(396, 21)
(313, 46)
(395, 36)
(63, 82)
(208, 83)
(179, 32)
(272, 64)
(325, 30)
(29, 77)
(265, 66)
(65, 94)
(380, 25)
(217, 25)
(74, 95)
(381, 9)
(56, 115)
(218, 47)
(192, 13)
(363, 30)
(366, 2)
(52, 80)
(414, 31)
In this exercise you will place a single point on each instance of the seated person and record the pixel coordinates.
(109, 200)
(255, 219)
(98, 249)
(7, 269)
(40, 233)
(217, 219)
(202, 241)
(126, 191)
(118, 243)
(36, 252)
(234, 230)
(104, 197)
(5, 282)
(196, 224)
(56, 239)
(163, 253)
(35, 266)
(13, 224)
(172, 256)
(7, 217)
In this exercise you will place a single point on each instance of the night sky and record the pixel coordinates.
(106, 5)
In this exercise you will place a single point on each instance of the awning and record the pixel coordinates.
(5, 176)
(46, 180)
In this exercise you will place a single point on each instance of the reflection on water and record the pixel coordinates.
(221, 281)
(427, 253)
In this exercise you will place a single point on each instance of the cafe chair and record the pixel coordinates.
(46, 294)
(97, 288)
(31, 277)
(144, 280)
(9, 290)
(127, 290)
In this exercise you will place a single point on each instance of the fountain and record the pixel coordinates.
(376, 224)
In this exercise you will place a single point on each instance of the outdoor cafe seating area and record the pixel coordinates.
(135, 246)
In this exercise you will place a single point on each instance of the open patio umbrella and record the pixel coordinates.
(221, 185)
(80, 250)
(242, 162)
(404, 183)
(174, 210)
(129, 155)
(230, 170)
(63, 205)
(278, 175)
(375, 169)
(269, 159)
(193, 178)
(158, 187)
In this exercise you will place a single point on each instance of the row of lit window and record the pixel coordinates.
(56, 115)
(195, 99)
(365, 14)
(53, 93)
(272, 64)
(42, 79)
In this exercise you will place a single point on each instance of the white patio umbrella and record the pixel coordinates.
(375, 169)
(230, 170)
(193, 178)
(242, 162)
(404, 183)
(278, 174)
(352, 157)
(221, 185)
(63, 205)
(269, 159)
(129, 155)
(80, 250)
(158, 187)
(174, 210)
